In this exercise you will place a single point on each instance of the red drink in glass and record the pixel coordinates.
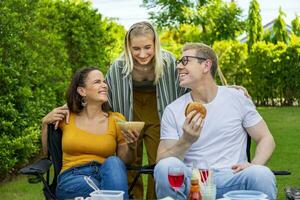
(176, 180)
(203, 174)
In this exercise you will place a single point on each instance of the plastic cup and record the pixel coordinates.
(209, 192)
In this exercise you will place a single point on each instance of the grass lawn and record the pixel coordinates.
(283, 123)
(20, 189)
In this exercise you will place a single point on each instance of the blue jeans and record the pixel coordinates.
(111, 175)
(255, 177)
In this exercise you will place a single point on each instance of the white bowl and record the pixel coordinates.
(245, 195)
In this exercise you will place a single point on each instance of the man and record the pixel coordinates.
(219, 140)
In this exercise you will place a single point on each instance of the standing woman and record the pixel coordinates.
(92, 144)
(142, 82)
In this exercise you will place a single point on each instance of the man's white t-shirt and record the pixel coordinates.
(223, 138)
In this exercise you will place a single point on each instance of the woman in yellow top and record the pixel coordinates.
(92, 144)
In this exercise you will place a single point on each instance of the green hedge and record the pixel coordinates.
(41, 43)
(269, 71)
(232, 61)
(289, 84)
(264, 63)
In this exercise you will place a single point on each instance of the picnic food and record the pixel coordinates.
(195, 106)
(135, 125)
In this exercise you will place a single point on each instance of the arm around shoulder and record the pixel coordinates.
(55, 116)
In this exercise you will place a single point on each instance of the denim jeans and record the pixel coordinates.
(255, 177)
(111, 175)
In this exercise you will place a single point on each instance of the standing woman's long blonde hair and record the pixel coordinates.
(142, 29)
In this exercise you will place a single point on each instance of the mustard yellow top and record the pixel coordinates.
(80, 147)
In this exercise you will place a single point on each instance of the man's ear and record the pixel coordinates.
(208, 65)
(81, 91)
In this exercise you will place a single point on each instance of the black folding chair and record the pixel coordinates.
(38, 169)
(42, 166)
(147, 169)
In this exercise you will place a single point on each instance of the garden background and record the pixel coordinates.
(42, 42)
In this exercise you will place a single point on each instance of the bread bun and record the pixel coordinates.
(196, 106)
(133, 125)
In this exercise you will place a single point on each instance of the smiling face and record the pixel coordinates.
(95, 89)
(193, 72)
(142, 49)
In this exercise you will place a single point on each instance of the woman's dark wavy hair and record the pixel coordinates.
(73, 98)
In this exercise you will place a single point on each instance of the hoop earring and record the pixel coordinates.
(83, 102)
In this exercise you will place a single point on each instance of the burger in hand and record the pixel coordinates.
(196, 106)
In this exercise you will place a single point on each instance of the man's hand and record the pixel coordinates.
(240, 166)
(192, 126)
(56, 115)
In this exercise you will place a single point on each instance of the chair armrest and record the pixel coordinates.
(39, 167)
(281, 172)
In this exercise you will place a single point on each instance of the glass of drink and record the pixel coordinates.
(204, 171)
(176, 177)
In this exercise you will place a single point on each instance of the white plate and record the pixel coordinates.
(245, 194)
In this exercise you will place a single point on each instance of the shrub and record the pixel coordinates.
(41, 43)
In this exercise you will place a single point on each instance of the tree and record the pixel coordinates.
(174, 38)
(296, 26)
(172, 12)
(225, 21)
(254, 24)
(216, 20)
(279, 32)
(87, 36)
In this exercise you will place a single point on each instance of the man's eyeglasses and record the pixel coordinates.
(185, 59)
